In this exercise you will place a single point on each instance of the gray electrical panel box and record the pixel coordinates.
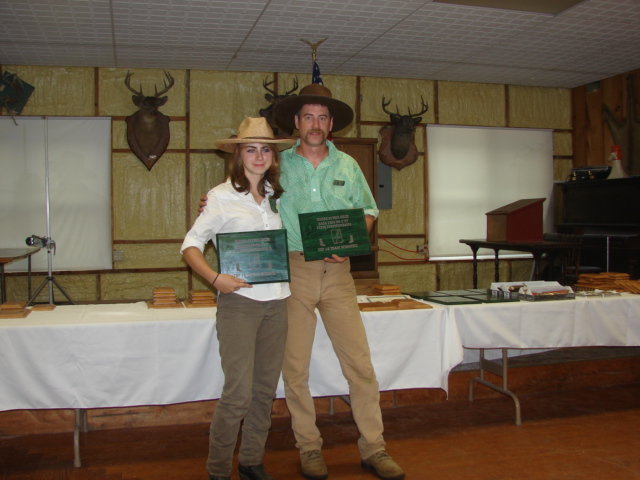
(384, 186)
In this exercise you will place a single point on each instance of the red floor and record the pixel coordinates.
(592, 433)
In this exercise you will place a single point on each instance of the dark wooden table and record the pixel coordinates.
(8, 255)
(537, 249)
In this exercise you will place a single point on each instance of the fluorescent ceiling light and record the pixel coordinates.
(537, 6)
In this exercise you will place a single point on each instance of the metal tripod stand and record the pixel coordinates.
(47, 241)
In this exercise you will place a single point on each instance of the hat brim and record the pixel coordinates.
(229, 144)
(286, 109)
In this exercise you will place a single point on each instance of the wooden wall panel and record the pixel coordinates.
(592, 139)
(579, 120)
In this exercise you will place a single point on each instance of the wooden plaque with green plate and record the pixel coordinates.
(256, 257)
(343, 232)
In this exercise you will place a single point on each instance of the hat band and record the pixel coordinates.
(255, 138)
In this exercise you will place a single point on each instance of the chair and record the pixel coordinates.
(570, 266)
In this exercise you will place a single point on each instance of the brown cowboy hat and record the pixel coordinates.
(253, 130)
(314, 94)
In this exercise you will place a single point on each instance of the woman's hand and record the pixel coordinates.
(229, 284)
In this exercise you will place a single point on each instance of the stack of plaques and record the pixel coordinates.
(397, 304)
(201, 298)
(386, 289)
(14, 310)
(607, 281)
(164, 297)
(43, 307)
(630, 286)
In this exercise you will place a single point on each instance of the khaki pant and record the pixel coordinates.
(328, 287)
(252, 336)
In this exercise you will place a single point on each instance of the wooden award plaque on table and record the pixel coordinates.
(343, 232)
(256, 257)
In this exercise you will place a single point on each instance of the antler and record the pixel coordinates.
(295, 87)
(166, 87)
(127, 82)
(274, 96)
(266, 84)
(384, 107)
(425, 107)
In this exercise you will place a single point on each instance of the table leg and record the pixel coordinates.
(344, 398)
(80, 424)
(475, 266)
(537, 256)
(496, 274)
(29, 277)
(3, 294)
(501, 371)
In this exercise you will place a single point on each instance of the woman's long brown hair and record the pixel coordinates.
(240, 181)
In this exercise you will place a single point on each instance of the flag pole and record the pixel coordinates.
(314, 48)
(315, 69)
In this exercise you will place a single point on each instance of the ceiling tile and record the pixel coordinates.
(404, 38)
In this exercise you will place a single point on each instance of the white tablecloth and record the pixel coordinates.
(409, 349)
(91, 356)
(597, 321)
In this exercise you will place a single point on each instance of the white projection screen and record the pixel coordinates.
(474, 170)
(78, 151)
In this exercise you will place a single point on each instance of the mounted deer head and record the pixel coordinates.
(148, 130)
(272, 97)
(398, 148)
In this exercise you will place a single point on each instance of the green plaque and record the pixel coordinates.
(343, 232)
(490, 298)
(256, 257)
(453, 300)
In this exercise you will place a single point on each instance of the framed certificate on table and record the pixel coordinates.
(343, 232)
(256, 257)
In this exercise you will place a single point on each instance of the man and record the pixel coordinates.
(317, 177)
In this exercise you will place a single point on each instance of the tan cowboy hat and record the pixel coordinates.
(314, 94)
(253, 130)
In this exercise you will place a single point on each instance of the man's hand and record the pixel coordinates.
(335, 259)
(202, 204)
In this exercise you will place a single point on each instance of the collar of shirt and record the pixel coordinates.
(331, 157)
(267, 188)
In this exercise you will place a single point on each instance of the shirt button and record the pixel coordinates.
(314, 189)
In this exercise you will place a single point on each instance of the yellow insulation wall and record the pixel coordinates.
(151, 210)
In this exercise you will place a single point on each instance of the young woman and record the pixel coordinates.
(251, 320)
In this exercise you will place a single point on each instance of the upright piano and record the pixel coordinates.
(608, 213)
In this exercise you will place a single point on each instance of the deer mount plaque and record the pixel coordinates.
(148, 131)
(398, 147)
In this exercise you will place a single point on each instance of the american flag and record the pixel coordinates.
(316, 78)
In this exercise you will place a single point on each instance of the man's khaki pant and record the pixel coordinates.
(328, 287)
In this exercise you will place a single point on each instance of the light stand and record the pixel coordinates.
(47, 241)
